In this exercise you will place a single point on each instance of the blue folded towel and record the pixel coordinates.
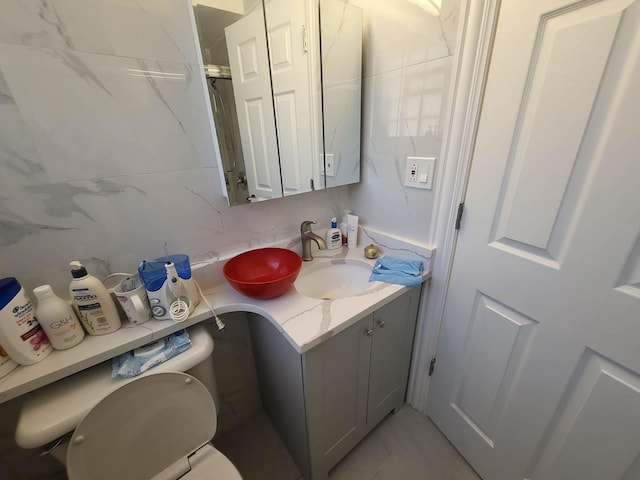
(395, 270)
(130, 365)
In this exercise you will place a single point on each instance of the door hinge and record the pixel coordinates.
(432, 366)
(459, 215)
(305, 43)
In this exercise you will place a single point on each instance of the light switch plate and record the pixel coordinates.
(419, 172)
(328, 167)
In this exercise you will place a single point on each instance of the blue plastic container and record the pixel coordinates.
(154, 274)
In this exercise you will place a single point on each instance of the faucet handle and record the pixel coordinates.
(306, 225)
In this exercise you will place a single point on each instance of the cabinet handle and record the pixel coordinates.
(381, 323)
(369, 332)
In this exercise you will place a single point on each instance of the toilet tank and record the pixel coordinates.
(56, 409)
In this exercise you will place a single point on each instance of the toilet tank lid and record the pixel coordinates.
(56, 409)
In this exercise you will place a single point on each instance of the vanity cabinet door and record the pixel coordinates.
(336, 384)
(392, 341)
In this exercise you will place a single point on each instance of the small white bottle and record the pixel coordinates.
(57, 319)
(343, 226)
(96, 309)
(21, 336)
(352, 231)
(334, 235)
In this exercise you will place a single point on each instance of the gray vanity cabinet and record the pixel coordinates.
(354, 379)
(326, 400)
(393, 332)
(336, 385)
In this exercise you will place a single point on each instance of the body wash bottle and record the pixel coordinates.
(57, 319)
(95, 306)
(334, 235)
(352, 231)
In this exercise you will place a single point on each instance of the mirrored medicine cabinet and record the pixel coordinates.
(284, 81)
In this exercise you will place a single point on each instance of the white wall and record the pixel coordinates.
(407, 61)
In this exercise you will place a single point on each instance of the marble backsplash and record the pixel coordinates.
(105, 148)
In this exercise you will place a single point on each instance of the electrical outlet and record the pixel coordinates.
(328, 168)
(420, 172)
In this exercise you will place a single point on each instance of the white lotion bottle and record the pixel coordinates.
(21, 336)
(334, 235)
(96, 309)
(352, 231)
(57, 319)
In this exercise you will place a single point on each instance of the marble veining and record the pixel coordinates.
(402, 117)
(110, 116)
(134, 28)
(53, 23)
(407, 63)
(404, 33)
(19, 163)
(12, 231)
(60, 197)
(78, 66)
(17, 151)
(304, 312)
(150, 76)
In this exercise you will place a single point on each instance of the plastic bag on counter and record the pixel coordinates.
(135, 362)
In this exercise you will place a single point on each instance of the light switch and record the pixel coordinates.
(328, 166)
(420, 172)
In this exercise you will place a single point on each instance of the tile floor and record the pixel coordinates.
(405, 446)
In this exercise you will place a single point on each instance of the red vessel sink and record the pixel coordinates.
(264, 272)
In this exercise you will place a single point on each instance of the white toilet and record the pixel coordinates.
(154, 427)
(157, 427)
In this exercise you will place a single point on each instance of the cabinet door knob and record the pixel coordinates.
(369, 332)
(381, 323)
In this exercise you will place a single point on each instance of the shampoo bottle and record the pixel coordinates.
(21, 336)
(95, 306)
(334, 235)
(57, 319)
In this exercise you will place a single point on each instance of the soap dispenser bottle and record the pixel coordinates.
(334, 235)
(95, 306)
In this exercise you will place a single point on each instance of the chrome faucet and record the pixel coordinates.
(307, 236)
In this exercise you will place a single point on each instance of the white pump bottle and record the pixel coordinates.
(57, 319)
(96, 309)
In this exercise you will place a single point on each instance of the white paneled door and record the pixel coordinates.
(538, 370)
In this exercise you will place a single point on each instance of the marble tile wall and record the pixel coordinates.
(407, 62)
(105, 147)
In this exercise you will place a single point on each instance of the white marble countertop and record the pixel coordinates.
(305, 322)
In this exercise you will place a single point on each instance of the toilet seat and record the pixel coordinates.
(156, 427)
